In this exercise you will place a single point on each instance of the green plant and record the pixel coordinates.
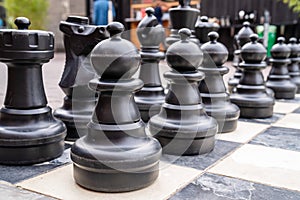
(35, 10)
(294, 4)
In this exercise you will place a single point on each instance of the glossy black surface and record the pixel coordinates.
(240, 39)
(182, 126)
(293, 67)
(279, 79)
(79, 40)
(251, 95)
(116, 155)
(151, 34)
(182, 16)
(212, 88)
(28, 132)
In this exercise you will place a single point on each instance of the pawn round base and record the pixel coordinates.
(114, 180)
(178, 146)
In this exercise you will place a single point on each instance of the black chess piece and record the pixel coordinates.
(279, 79)
(116, 155)
(251, 95)
(213, 90)
(29, 133)
(151, 34)
(182, 17)
(182, 126)
(240, 39)
(293, 67)
(79, 40)
(203, 27)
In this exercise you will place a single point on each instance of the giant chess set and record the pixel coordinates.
(206, 128)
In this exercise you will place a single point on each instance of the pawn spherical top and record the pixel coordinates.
(253, 52)
(217, 51)
(184, 55)
(116, 57)
(280, 50)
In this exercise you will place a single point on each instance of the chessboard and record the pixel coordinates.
(259, 160)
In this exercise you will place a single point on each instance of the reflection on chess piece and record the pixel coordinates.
(28, 132)
(116, 155)
(279, 79)
(182, 126)
(213, 90)
(79, 39)
(151, 96)
(251, 95)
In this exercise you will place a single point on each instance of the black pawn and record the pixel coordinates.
(203, 27)
(182, 126)
(182, 17)
(151, 96)
(28, 132)
(240, 39)
(251, 95)
(213, 90)
(79, 39)
(116, 155)
(293, 67)
(279, 79)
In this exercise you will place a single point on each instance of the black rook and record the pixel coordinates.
(28, 132)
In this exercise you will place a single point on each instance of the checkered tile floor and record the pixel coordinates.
(259, 160)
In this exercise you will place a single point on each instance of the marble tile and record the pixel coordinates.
(283, 107)
(284, 138)
(201, 162)
(14, 174)
(10, 192)
(291, 120)
(271, 166)
(60, 184)
(275, 117)
(245, 132)
(215, 187)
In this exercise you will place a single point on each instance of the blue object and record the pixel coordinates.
(101, 12)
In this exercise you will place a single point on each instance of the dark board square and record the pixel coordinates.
(215, 187)
(284, 138)
(297, 111)
(270, 120)
(14, 174)
(201, 162)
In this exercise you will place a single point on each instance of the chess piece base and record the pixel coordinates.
(30, 136)
(123, 164)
